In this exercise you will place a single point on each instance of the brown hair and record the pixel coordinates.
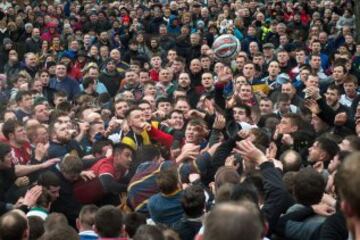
(231, 220)
(71, 165)
(87, 215)
(167, 181)
(226, 175)
(200, 125)
(351, 79)
(347, 181)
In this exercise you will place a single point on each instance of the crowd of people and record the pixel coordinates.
(119, 121)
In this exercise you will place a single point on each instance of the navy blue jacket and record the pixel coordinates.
(71, 87)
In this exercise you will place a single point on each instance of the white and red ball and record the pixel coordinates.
(226, 47)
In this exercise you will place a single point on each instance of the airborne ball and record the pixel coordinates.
(226, 47)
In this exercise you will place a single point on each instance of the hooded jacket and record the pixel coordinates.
(111, 81)
(171, 28)
(47, 35)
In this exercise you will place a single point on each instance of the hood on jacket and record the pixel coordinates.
(170, 26)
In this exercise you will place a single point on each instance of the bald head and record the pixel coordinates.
(291, 161)
(14, 226)
(230, 220)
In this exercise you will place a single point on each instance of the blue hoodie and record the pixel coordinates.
(174, 30)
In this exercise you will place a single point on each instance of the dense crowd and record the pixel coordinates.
(119, 120)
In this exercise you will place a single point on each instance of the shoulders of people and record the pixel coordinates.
(55, 144)
(151, 165)
(258, 81)
(163, 198)
(346, 101)
(103, 162)
(186, 222)
(187, 228)
(343, 108)
(296, 207)
(26, 145)
(104, 74)
(21, 113)
(67, 80)
(122, 64)
(72, 142)
(324, 55)
(99, 84)
(88, 235)
(65, 185)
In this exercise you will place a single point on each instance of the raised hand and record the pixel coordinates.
(313, 92)
(312, 105)
(193, 177)
(113, 124)
(188, 152)
(340, 119)
(319, 167)
(159, 114)
(32, 196)
(194, 114)
(271, 151)
(87, 175)
(169, 122)
(125, 126)
(231, 162)
(211, 150)
(22, 181)
(41, 151)
(219, 122)
(287, 139)
(146, 126)
(249, 152)
(209, 106)
(84, 127)
(323, 209)
(50, 162)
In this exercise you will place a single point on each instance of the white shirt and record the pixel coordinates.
(345, 100)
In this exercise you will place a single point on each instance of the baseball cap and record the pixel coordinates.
(268, 45)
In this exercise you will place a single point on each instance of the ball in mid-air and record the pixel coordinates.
(226, 47)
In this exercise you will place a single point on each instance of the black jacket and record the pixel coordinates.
(277, 199)
(155, 25)
(334, 227)
(187, 229)
(32, 46)
(66, 203)
(11, 70)
(111, 81)
(7, 179)
(327, 114)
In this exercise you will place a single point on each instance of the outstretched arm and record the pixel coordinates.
(161, 137)
(110, 185)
